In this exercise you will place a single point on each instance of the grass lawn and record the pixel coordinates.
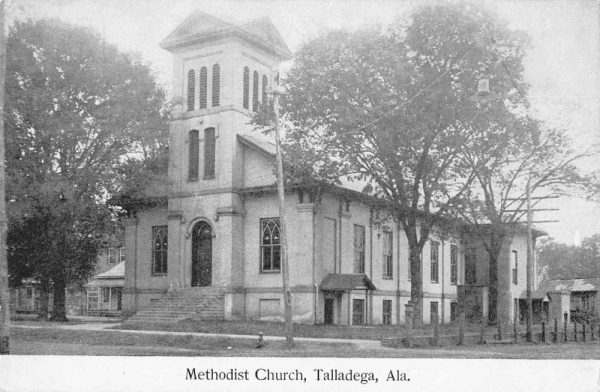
(56, 341)
(248, 327)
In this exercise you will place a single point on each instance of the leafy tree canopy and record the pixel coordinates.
(571, 261)
(77, 111)
(393, 107)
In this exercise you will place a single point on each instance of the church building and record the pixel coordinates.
(205, 243)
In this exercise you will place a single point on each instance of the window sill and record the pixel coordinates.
(387, 277)
(270, 272)
(157, 274)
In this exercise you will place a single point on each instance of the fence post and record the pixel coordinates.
(499, 321)
(461, 328)
(436, 330)
(583, 327)
(575, 331)
(565, 326)
(482, 331)
(543, 331)
(555, 338)
(515, 330)
(592, 330)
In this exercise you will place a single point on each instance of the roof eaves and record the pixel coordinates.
(252, 144)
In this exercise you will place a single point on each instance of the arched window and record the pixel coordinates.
(255, 91)
(201, 254)
(265, 85)
(216, 84)
(203, 88)
(191, 90)
(246, 87)
(209, 153)
(270, 247)
(159, 250)
(194, 155)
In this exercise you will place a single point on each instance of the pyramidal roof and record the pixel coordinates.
(202, 27)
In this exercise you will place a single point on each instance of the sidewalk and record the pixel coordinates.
(107, 327)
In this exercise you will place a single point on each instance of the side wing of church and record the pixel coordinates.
(206, 243)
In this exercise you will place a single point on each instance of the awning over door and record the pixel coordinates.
(114, 277)
(344, 282)
(105, 283)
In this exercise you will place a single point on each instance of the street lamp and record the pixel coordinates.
(483, 94)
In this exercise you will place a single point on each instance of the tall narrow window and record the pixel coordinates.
(121, 255)
(203, 88)
(112, 255)
(246, 87)
(453, 311)
(191, 90)
(216, 84)
(358, 311)
(387, 255)
(265, 85)
(470, 266)
(159, 250)
(433, 311)
(515, 267)
(255, 91)
(194, 155)
(270, 248)
(453, 264)
(209, 153)
(359, 249)
(387, 312)
(435, 261)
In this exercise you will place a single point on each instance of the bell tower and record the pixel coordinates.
(221, 73)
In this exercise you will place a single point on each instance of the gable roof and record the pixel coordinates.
(257, 144)
(116, 272)
(264, 29)
(202, 27)
(336, 282)
(582, 284)
(197, 23)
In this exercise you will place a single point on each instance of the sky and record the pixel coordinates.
(562, 66)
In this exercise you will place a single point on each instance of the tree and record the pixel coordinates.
(503, 163)
(76, 109)
(571, 261)
(392, 107)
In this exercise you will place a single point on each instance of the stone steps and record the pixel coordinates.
(205, 303)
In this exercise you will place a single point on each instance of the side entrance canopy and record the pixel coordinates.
(345, 282)
(114, 277)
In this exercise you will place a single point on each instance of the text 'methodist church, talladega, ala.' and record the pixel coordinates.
(205, 243)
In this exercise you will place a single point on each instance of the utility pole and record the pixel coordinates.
(287, 294)
(530, 251)
(529, 261)
(4, 293)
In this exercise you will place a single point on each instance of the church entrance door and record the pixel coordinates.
(202, 254)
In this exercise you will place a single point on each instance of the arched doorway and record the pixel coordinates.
(201, 254)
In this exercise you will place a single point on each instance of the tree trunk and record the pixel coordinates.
(59, 310)
(4, 293)
(493, 287)
(416, 286)
(42, 308)
(496, 242)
